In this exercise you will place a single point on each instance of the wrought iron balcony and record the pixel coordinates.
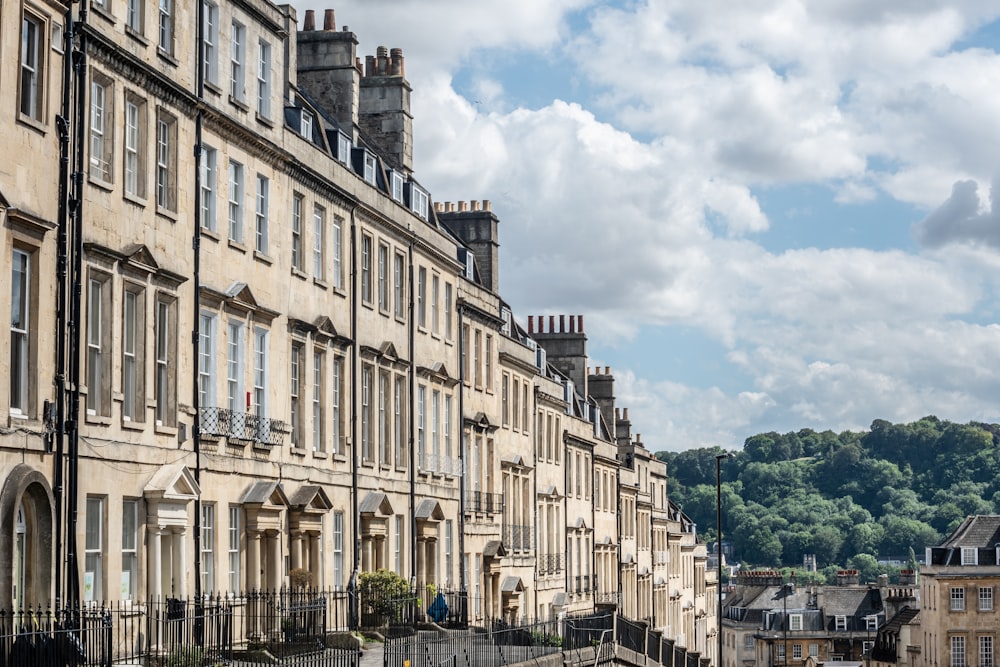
(224, 423)
(606, 597)
(551, 563)
(518, 538)
(485, 503)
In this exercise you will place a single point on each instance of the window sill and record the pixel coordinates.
(207, 233)
(102, 13)
(299, 273)
(100, 183)
(318, 282)
(267, 122)
(163, 429)
(237, 246)
(340, 458)
(136, 200)
(167, 57)
(263, 258)
(34, 123)
(239, 104)
(213, 87)
(166, 213)
(319, 455)
(137, 36)
(133, 425)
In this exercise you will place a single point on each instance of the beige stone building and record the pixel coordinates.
(244, 340)
(958, 617)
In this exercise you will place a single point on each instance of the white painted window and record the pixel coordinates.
(264, 79)
(338, 373)
(32, 59)
(295, 391)
(133, 396)
(206, 360)
(447, 310)
(366, 268)
(210, 42)
(338, 252)
(135, 156)
(263, 196)
(366, 413)
(397, 286)
(130, 541)
(207, 548)
(318, 362)
(96, 353)
(236, 201)
(233, 548)
(399, 448)
(957, 598)
(234, 367)
(208, 187)
(422, 297)
(338, 550)
(101, 129)
(383, 277)
(166, 161)
(260, 371)
(237, 58)
(297, 203)
(383, 418)
(986, 651)
(134, 16)
(958, 651)
(319, 234)
(985, 598)
(421, 426)
(93, 569)
(165, 348)
(166, 27)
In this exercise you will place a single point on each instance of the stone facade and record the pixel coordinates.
(280, 353)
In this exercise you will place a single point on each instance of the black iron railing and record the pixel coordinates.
(242, 426)
(551, 563)
(484, 503)
(518, 538)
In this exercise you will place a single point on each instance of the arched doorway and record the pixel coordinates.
(26, 518)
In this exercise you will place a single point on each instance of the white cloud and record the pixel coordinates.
(636, 207)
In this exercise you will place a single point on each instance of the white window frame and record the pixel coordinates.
(957, 650)
(419, 201)
(335, 404)
(985, 598)
(236, 186)
(957, 597)
(207, 332)
(166, 161)
(210, 42)
(165, 378)
(98, 292)
(318, 367)
(296, 362)
(383, 277)
(93, 578)
(986, 654)
(263, 204)
(233, 548)
(130, 551)
(237, 60)
(207, 554)
(398, 282)
(370, 168)
(367, 373)
(970, 556)
(366, 268)
(421, 427)
(840, 623)
(297, 203)
(396, 183)
(338, 252)
(135, 157)
(422, 297)
(134, 16)
(165, 27)
(133, 347)
(263, 79)
(33, 48)
(319, 248)
(209, 175)
(235, 361)
(260, 371)
(794, 620)
(102, 133)
(338, 550)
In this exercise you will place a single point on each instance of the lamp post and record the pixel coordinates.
(718, 546)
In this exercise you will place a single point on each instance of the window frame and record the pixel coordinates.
(237, 62)
(264, 79)
(261, 216)
(236, 193)
(956, 598)
(95, 534)
(209, 187)
(166, 161)
(101, 130)
(98, 344)
(133, 384)
(32, 70)
(134, 147)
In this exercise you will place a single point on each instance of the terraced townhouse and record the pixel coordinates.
(244, 340)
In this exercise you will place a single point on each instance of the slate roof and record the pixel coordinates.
(976, 531)
(905, 616)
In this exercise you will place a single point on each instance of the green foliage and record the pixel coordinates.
(382, 583)
(185, 656)
(849, 497)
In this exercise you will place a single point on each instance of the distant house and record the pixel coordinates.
(959, 622)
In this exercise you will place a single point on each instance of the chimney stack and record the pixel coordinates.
(326, 69)
(384, 108)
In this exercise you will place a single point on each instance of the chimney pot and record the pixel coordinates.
(562, 324)
(607, 370)
(370, 69)
(531, 324)
(310, 21)
(329, 23)
(579, 323)
(439, 206)
(552, 323)
(475, 204)
(463, 206)
(487, 205)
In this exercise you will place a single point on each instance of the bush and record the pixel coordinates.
(185, 656)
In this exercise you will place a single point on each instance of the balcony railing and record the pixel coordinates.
(551, 563)
(606, 597)
(518, 538)
(584, 583)
(485, 503)
(224, 423)
(440, 464)
(661, 557)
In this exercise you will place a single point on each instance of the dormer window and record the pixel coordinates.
(343, 148)
(418, 200)
(970, 556)
(871, 622)
(306, 126)
(396, 185)
(840, 623)
(369, 168)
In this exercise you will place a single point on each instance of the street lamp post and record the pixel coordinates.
(718, 546)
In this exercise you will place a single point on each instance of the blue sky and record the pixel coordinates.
(773, 215)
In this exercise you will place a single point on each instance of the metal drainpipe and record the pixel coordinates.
(196, 287)
(355, 515)
(58, 464)
(73, 449)
(413, 454)
(461, 456)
